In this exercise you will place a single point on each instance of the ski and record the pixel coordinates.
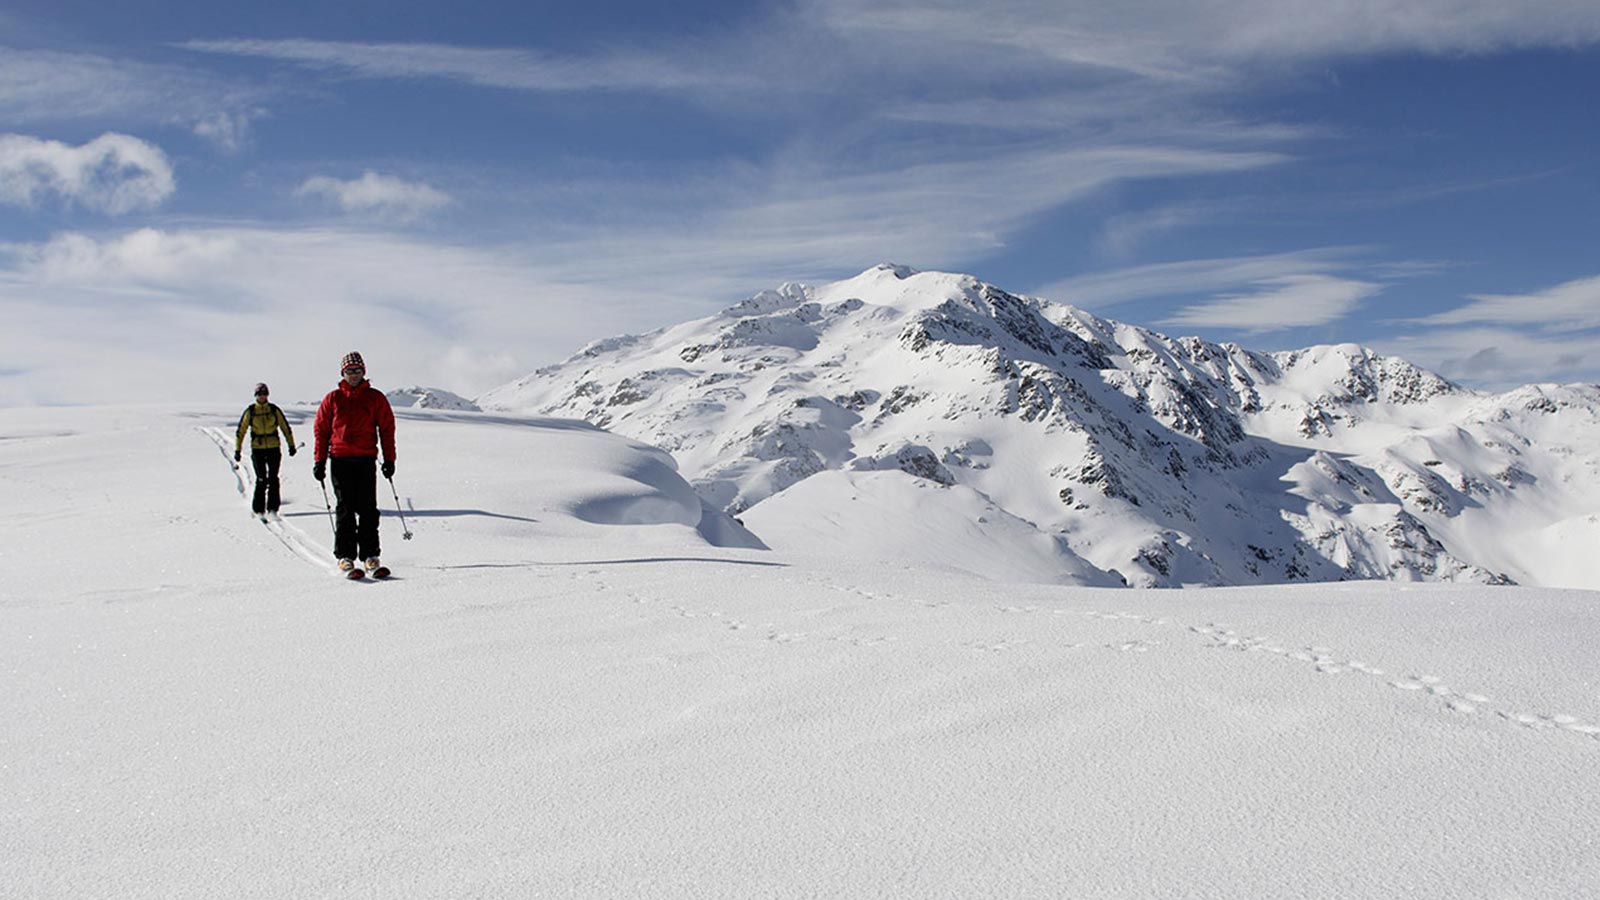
(380, 572)
(355, 574)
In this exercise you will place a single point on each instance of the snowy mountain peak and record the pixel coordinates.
(428, 398)
(1121, 453)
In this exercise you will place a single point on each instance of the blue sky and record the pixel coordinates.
(195, 197)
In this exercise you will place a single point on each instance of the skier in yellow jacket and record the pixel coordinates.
(263, 420)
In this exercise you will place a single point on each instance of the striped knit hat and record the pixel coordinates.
(352, 360)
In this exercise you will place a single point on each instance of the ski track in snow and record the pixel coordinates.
(291, 537)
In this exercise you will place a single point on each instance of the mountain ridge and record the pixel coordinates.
(1142, 458)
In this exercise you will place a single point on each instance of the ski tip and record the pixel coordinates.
(380, 572)
(355, 574)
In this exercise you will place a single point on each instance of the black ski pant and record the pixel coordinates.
(266, 463)
(355, 491)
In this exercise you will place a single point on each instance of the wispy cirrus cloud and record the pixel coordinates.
(38, 86)
(383, 196)
(113, 173)
(1195, 276)
(508, 68)
(1169, 69)
(776, 224)
(1501, 340)
(1091, 46)
(1570, 305)
(1278, 304)
(1122, 234)
(1195, 40)
(1500, 358)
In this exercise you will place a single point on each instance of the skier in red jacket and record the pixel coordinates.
(353, 420)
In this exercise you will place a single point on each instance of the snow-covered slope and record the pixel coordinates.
(1066, 446)
(570, 691)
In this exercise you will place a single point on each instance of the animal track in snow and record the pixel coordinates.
(991, 646)
(1544, 720)
(1327, 662)
(874, 641)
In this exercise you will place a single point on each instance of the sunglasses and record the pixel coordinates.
(353, 371)
(261, 393)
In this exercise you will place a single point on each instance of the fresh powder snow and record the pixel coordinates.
(584, 681)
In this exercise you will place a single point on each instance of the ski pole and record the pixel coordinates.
(405, 531)
(329, 506)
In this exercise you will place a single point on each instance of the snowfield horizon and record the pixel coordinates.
(583, 682)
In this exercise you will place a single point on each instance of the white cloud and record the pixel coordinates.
(1174, 42)
(154, 313)
(143, 257)
(1289, 301)
(796, 223)
(1573, 304)
(1500, 358)
(381, 195)
(1194, 40)
(472, 317)
(113, 173)
(513, 69)
(48, 86)
(229, 132)
(1500, 340)
(1102, 289)
(1122, 234)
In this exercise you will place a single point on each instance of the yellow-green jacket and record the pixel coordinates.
(262, 420)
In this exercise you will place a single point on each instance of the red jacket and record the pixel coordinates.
(352, 420)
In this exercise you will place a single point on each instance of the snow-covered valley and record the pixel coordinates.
(585, 683)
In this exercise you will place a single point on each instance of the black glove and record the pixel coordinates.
(291, 449)
(388, 468)
(236, 456)
(319, 470)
